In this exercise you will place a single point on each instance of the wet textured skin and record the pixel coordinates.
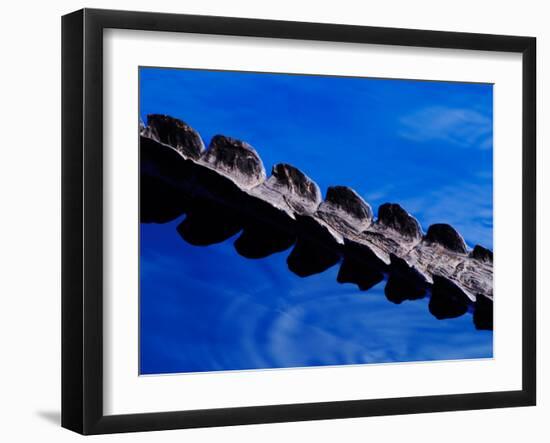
(225, 191)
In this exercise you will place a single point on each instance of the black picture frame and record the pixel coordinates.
(82, 219)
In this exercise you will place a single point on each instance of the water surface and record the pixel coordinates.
(208, 309)
(425, 145)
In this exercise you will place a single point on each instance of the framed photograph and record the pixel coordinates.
(268, 221)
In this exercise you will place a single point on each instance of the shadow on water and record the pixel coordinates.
(207, 309)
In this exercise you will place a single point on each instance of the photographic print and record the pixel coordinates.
(294, 220)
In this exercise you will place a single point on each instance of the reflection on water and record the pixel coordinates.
(208, 309)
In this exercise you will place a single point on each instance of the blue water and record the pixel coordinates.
(426, 145)
(209, 309)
